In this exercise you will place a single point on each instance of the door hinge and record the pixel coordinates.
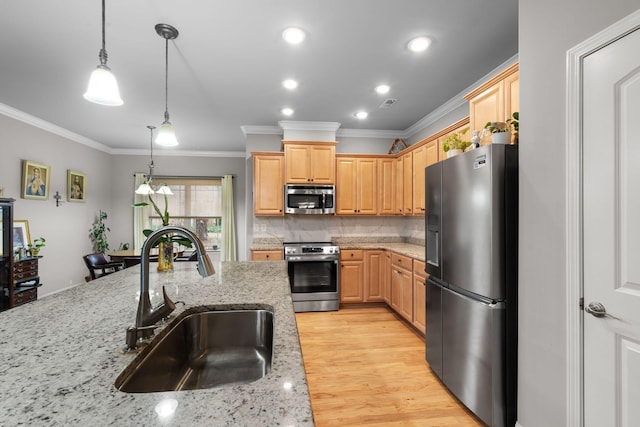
(581, 303)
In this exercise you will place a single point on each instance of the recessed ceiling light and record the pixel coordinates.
(361, 115)
(293, 35)
(287, 111)
(382, 89)
(290, 84)
(419, 44)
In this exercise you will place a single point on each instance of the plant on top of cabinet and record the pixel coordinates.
(514, 122)
(500, 132)
(37, 244)
(454, 144)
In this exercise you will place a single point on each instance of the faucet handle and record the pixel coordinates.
(133, 333)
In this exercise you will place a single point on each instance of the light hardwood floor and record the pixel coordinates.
(365, 367)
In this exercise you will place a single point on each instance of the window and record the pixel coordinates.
(196, 204)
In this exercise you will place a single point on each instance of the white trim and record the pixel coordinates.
(176, 153)
(573, 212)
(50, 127)
(312, 126)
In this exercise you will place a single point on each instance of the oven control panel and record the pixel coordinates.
(310, 249)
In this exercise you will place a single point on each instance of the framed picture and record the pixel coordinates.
(21, 237)
(76, 186)
(35, 180)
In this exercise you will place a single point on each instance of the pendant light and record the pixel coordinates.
(145, 187)
(103, 87)
(166, 135)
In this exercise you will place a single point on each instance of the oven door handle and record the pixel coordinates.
(308, 258)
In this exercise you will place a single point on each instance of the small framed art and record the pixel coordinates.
(21, 237)
(35, 180)
(76, 186)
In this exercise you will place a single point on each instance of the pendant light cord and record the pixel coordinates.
(166, 79)
(151, 165)
(103, 51)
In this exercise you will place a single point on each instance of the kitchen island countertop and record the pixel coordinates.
(60, 355)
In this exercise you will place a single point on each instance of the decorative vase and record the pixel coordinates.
(501, 138)
(165, 256)
(475, 140)
(453, 152)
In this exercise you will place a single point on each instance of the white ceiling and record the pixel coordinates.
(227, 65)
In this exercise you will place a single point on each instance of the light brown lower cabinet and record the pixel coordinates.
(402, 285)
(374, 278)
(351, 276)
(260, 255)
(419, 296)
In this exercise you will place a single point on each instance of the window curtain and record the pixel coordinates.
(228, 222)
(140, 215)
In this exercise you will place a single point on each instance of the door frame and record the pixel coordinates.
(574, 209)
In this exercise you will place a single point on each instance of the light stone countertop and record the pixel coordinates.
(394, 244)
(60, 355)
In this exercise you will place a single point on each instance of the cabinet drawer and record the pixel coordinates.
(401, 261)
(351, 254)
(24, 297)
(267, 255)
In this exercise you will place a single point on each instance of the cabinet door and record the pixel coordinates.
(430, 157)
(374, 276)
(399, 198)
(406, 279)
(386, 186)
(386, 277)
(419, 296)
(396, 289)
(511, 94)
(298, 164)
(419, 163)
(268, 184)
(487, 106)
(366, 186)
(322, 159)
(351, 281)
(407, 185)
(346, 186)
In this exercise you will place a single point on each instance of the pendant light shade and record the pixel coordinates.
(145, 188)
(103, 87)
(166, 135)
(164, 189)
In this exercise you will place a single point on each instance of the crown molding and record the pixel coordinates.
(177, 153)
(260, 130)
(314, 126)
(34, 121)
(370, 133)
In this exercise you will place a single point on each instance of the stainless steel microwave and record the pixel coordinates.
(309, 199)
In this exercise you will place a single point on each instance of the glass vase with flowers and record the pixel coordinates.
(166, 243)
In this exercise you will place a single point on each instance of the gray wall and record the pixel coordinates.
(109, 187)
(548, 28)
(66, 228)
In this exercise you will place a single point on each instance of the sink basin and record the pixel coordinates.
(204, 350)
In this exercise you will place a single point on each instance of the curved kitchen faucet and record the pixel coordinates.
(147, 316)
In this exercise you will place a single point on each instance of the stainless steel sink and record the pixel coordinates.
(204, 350)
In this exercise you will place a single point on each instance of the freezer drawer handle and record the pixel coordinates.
(596, 309)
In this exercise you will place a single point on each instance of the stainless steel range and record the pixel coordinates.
(313, 275)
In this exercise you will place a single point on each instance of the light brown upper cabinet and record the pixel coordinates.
(386, 186)
(309, 162)
(423, 156)
(407, 185)
(495, 100)
(268, 183)
(356, 185)
(399, 196)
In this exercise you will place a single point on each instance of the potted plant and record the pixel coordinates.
(454, 144)
(98, 234)
(37, 244)
(514, 122)
(500, 132)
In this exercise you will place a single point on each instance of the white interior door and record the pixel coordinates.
(611, 234)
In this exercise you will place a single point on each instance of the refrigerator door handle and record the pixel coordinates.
(436, 282)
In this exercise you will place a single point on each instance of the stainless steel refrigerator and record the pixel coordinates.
(471, 258)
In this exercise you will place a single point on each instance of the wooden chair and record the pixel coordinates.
(99, 265)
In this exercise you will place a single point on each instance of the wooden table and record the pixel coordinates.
(117, 256)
